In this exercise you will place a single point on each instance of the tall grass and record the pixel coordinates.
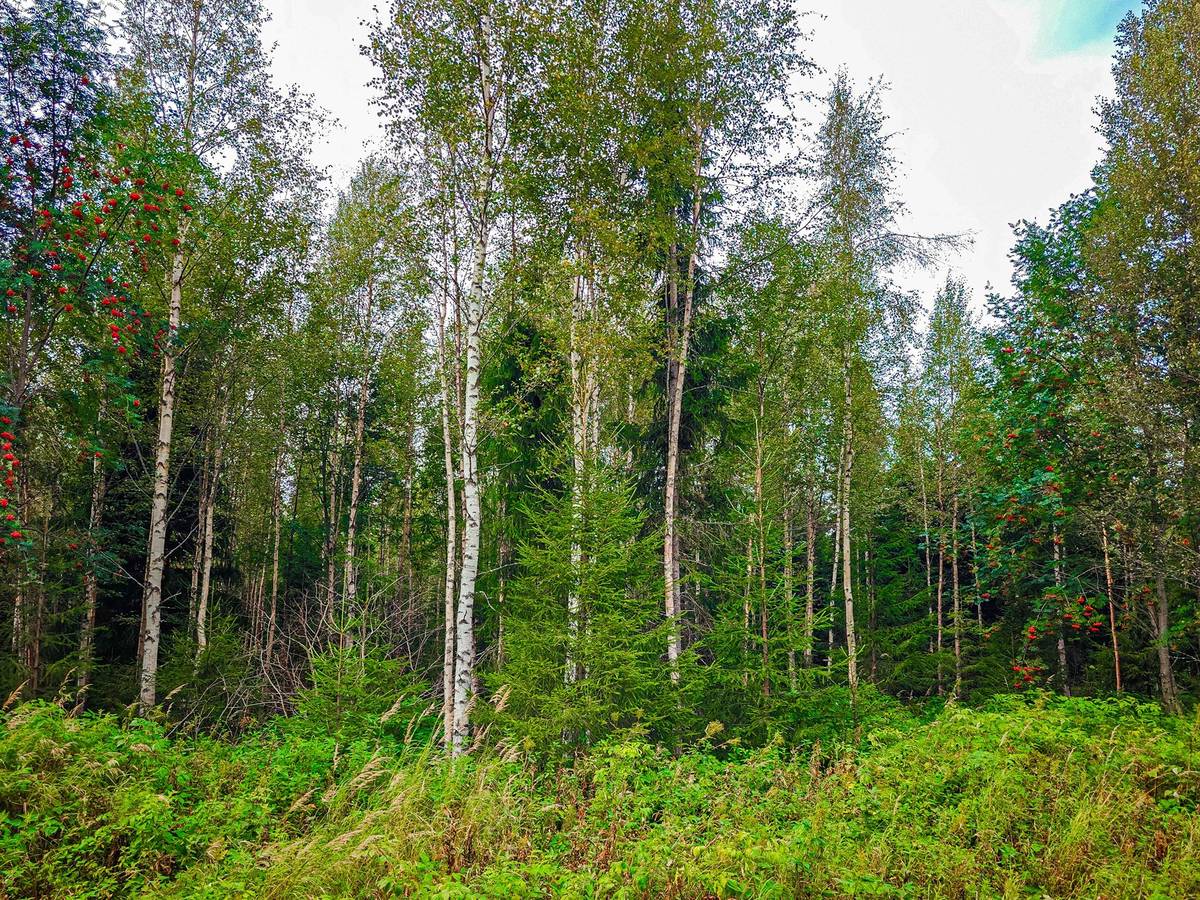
(1025, 797)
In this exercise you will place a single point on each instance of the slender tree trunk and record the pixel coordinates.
(1112, 614)
(405, 562)
(928, 543)
(847, 580)
(676, 368)
(579, 433)
(810, 580)
(760, 523)
(975, 573)
(276, 531)
(837, 556)
(678, 355)
(872, 601)
(504, 553)
(1162, 643)
(941, 579)
(333, 522)
(152, 596)
(87, 633)
(746, 614)
(350, 575)
(201, 517)
(209, 507)
(464, 663)
(954, 593)
(789, 593)
(1064, 674)
(451, 573)
(38, 590)
(464, 660)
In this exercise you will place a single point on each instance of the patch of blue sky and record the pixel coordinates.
(1070, 26)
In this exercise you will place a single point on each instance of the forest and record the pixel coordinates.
(576, 501)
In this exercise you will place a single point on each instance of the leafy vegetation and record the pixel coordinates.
(1032, 795)
(575, 501)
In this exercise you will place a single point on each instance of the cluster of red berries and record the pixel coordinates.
(1089, 612)
(1025, 673)
(11, 462)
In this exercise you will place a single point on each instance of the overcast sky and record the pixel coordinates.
(991, 100)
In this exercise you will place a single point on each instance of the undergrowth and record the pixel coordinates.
(1034, 796)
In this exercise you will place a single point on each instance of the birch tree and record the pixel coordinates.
(448, 75)
(203, 69)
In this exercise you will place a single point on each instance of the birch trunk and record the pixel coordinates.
(451, 571)
(941, 577)
(464, 653)
(810, 580)
(209, 507)
(678, 356)
(333, 522)
(928, 547)
(746, 616)
(1062, 641)
(87, 633)
(579, 431)
(837, 556)
(760, 521)
(350, 576)
(276, 529)
(954, 594)
(198, 548)
(789, 592)
(1112, 614)
(152, 596)
(847, 581)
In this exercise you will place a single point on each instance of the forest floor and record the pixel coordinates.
(1025, 796)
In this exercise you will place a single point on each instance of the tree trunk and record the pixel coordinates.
(152, 596)
(954, 593)
(464, 654)
(580, 399)
(847, 580)
(975, 573)
(1162, 643)
(760, 522)
(789, 594)
(810, 580)
(451, 569)
(678, 360)
(350, 576)
(333, 523)
(872, 620)
(746, 614)
(87, 633)
(837, 555)
(209, 507)
(1112, 614)
(941, 579)
(928, 543)
(198, 543)
(276, 530)
(1061, 641)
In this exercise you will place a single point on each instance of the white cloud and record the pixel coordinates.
(316, 48)
(990, 129)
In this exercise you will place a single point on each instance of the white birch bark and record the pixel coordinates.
(464, 653)
(207, 558)
(847, 581)
(152, 595)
